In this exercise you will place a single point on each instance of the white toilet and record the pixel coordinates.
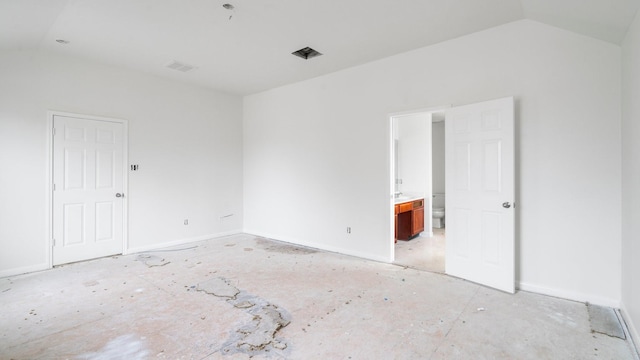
(437, 211)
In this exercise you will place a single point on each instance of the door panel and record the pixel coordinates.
(88, 160)
(73, 224)
(104, 221)
(462, 168)
(479, 179)
(104, 169)
(74, 162)
(461, 218)
(418, 220)
(490, 236)
(491, 156)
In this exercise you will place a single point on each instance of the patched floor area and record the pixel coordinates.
(243, 297)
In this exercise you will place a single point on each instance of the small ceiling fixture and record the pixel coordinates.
(62, 41)
(306, 53)
(180, 66)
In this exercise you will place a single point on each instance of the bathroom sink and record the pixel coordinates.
(405, 197)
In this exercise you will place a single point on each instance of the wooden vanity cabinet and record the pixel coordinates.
(409, 219)
(418, 220)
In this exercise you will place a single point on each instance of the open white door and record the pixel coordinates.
(88, 189)
(480, 193)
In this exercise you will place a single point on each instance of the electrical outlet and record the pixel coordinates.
(348, 230)
(186, 221)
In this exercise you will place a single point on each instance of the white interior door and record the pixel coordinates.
(88, 198)
(480, 193)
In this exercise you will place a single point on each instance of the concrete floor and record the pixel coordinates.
(243, 296)
(423, 252)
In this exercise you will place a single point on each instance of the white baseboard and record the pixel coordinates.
(633, 330)
(318, 246)
(45, 266)
(139, 249)
(24, 270)
(569, 295)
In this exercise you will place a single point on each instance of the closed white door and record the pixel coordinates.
(88, 183)
(479, 209)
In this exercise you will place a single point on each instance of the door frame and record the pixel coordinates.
(391, 150)
(49, 188)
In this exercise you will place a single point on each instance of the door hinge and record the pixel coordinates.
(54, 131)
(54, 187)
(53, 242)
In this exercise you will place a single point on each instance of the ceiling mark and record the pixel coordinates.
(177, 65)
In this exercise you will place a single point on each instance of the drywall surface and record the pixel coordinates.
(186, 141)
(631, 178)
(437, 156)
(414, 160)
(317, 152)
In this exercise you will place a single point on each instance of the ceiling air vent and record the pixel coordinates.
(177, 65)
(306, 53)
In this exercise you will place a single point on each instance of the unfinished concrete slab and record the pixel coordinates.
(129, 347)
(604, 320)
(258, 336)
(152, 260)
(334, 307)
(220, 287)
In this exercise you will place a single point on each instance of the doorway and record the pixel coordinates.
(88, 177)
(480, 190)
(419, 175)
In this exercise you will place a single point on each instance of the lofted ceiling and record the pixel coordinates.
(248, 49)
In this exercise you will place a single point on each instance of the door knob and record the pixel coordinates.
(506, 205)
(119, 195)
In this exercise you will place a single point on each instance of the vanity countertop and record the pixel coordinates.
(407, 198)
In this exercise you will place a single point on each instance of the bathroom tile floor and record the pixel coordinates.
(242, 297)
(423, 252)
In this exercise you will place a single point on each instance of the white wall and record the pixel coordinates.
(414, 138)
(631, 178)
(187, 141)
(437, 157)
(317, 152)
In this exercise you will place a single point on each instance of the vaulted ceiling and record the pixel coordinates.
(248, 49)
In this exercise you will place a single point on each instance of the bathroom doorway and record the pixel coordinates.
(419, 174)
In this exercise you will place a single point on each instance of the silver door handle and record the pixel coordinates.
(506, 205)
(119, 195)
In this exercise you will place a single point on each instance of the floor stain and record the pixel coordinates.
(152, 260)
(279, 247)
(219, 287)
(244, 305)
(123, 347)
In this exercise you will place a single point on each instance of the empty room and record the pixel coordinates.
(240, 179)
